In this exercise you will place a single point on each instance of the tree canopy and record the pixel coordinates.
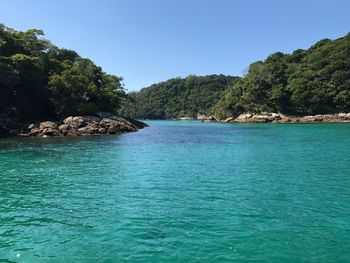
(312, 81)
(177, 97)
(39, 80)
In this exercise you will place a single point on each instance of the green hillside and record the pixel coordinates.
(177, 97)
(312, 81)
(39, 80)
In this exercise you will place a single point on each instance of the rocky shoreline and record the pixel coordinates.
(281, 118)
(73, 126)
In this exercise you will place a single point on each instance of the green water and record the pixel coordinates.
(179, 192)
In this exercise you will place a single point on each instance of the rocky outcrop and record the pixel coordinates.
(211, 119)
(185, 118)
(259, 118)
(201, 117)
(281, 118)
(82, 125)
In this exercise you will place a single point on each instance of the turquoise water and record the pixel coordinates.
(179, 192)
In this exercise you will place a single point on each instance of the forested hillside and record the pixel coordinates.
(177, 97)
(39, 80)
(312, 81)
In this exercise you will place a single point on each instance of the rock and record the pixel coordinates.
(68, 120)
(284, 120)
(211, 118)
(136, 123)
(281, 118)
(89, 129)
(75, 122)
(64, 128)
(47, 124)
(185, 118)
(230, 119)
(244, 117)
(201, 116)
(50, 132)
(73, 133)
(112, 130)
(34, 132)
(117, 125)
(258, 118)
(79, 125)
(23, 135)
(105, 123)
(101, 130)
(310, 118)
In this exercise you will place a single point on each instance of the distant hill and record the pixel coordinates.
(177, 97)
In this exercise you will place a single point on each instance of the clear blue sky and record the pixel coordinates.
(148, 41)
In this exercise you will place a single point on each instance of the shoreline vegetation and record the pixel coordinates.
(306, 82)
(39, 81)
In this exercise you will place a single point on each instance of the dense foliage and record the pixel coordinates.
(177, 97)
(39, 80)
(312, 81)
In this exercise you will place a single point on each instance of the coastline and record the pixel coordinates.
(72, 126)
(281, 118)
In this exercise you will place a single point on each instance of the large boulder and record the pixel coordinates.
(34, 132)
(102, 130)
(211, 119)
(75, 122)
(50, 132)
(230, 119)
(117, 125)
(260, 118)
(64, 128)
(344, 116)
(201, 116)
(31, 126)
(137, 124)
(244, 117)
(47, 125)
(91, 128)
